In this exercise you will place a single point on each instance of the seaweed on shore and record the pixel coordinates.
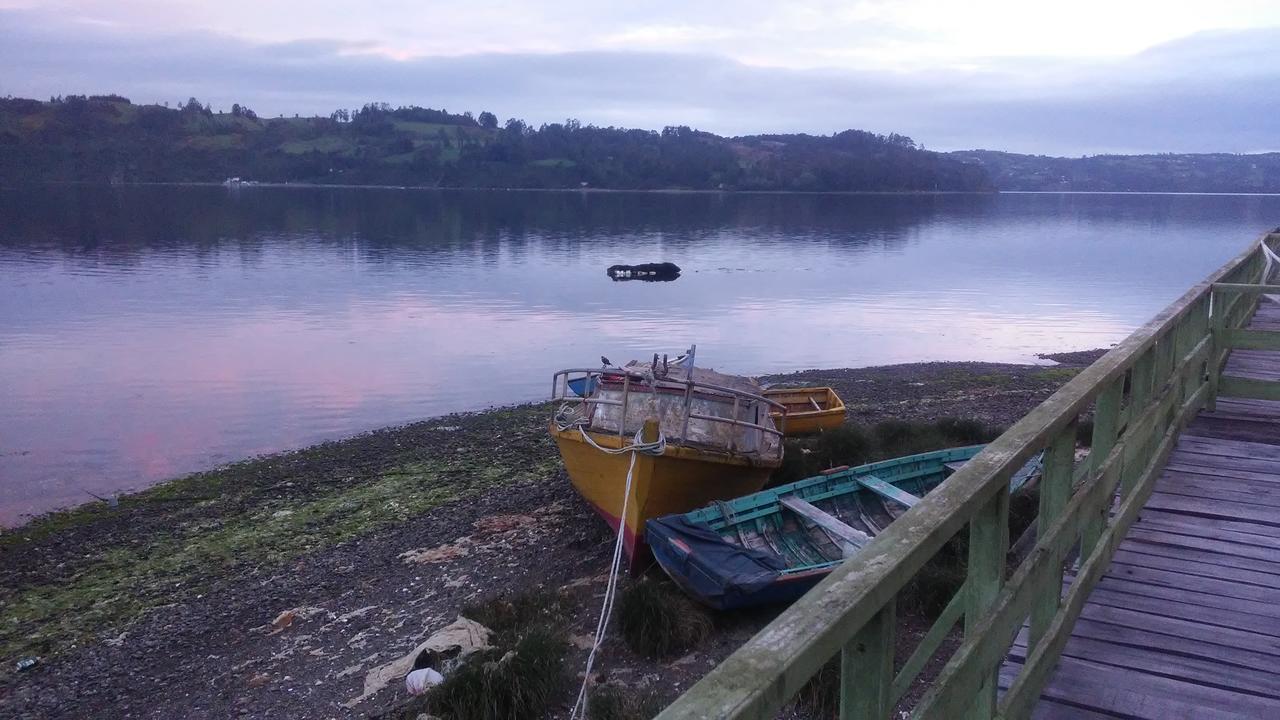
(114, 564)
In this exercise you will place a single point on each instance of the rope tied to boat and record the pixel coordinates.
(1271, 260)
(569, 416)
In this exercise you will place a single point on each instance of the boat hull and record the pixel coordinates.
(758, 554)
(722, 576)
(679, 480)
(802, 418)
(813, 422)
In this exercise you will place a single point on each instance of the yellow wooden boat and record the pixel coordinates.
(718, 441)
(808, 409)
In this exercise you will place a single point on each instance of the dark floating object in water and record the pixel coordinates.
(651, 272)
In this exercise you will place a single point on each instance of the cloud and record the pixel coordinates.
(1214, 91)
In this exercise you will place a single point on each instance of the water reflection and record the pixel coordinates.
(145, 332)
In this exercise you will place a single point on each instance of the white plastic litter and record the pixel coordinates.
(419, 681)
(451, 643)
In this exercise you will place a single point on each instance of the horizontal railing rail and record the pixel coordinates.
(1140, 394)
(1229, 336)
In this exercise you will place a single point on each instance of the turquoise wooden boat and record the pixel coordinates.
(772, 546)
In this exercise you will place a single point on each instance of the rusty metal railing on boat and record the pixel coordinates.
(689, 387)
(1141, 394)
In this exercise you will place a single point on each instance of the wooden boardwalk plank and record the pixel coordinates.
(1239, 430)
(1186, 611)
(1229, 464)
(1223, 489)
(1219, 470)
(1261, 484)
(1185, 623)
(1192, 442)
(1205, 541)
(1269, 407)
(1192, 567)
(1127, 693)
(1218, 528)
(1179, 665)
(1176, 644)
(1233, 605)
(1204, 556)
(1182, 628)
(1050, 710)
(1177, 580)
(1210, 508)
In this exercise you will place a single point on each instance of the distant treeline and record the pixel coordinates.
(1209, 172)
(106, 138)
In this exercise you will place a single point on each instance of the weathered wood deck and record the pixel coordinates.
(1186, 621)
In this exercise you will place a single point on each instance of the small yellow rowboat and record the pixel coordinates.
(809, 409)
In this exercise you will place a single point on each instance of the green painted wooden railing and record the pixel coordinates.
(1141, 394)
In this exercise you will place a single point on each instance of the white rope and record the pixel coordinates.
(1271, 259)
(566, 417)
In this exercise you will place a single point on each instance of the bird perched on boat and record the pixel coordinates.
(605, 361)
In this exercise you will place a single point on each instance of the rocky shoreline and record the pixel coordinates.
(164, 605)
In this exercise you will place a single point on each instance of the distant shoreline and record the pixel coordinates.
(585, 190)
(657, 191)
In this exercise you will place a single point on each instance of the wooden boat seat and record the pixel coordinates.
(887, 491)
(849, 538)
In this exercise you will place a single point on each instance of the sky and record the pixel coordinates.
(1059, 78)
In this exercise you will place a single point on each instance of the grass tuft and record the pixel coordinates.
(610, 702)
(932, 589)
(966, 431)
(796, 463)
(896, 433)
(1024, 506)
(852, 444)
(929, 592)
(844, 445)
(508, 614)
(659, 621)
(1084, 433)
(499, 684)
(819, 698)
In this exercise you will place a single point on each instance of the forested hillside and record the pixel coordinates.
(1210, 172)
(109, 139)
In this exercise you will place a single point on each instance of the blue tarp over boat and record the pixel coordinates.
(774, 545)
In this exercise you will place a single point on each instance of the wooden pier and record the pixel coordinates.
(1186, 621)
(1152, 587)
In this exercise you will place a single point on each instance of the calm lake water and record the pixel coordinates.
(148, 332)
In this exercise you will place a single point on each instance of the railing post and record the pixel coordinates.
(1055, 491)
(1187, 332)
(1140, 390)
(1164, 360)
(1106, 429)
(866, 669)
(1217, 346)
(988, 543)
